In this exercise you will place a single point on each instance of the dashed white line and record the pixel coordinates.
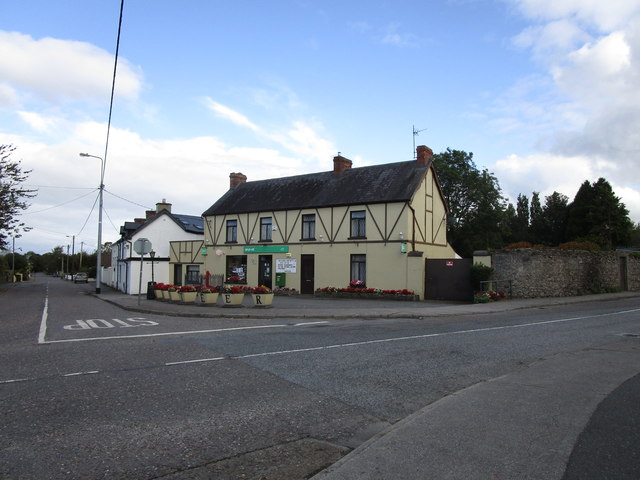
(201, 360)
(77, 374)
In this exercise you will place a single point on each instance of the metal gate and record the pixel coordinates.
(448, 279)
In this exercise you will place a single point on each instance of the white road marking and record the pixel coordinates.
(166, 334)
(328, 347)
(15, 380)
(428, 335)
(77, 374)
(45, 314)
(185, 362)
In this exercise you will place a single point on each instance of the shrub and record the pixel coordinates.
(589, 246)
(480, 273)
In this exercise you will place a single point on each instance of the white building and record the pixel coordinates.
(160, 227)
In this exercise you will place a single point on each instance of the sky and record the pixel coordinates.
(545, 93)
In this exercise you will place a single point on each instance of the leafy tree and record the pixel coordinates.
(520, 229)
(537, 225)
(635, 236)
(475, 202)
(597, 215)
(12, 195)
(554, 215)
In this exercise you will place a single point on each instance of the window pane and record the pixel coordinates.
(265, 229)
(232, 230)
(358, 220)
(309, 227)
(359, 268)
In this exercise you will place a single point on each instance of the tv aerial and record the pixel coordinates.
(415, 133)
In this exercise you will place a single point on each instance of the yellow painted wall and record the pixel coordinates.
(421, 224)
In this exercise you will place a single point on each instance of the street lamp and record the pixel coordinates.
(153, 256)
(73, 252)
(99, 256)
(13, 259)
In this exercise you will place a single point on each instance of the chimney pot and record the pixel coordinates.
(340, 164)
(236, 179)
(424, 155)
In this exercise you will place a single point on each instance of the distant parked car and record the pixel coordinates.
(80, 278)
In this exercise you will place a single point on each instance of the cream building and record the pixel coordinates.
(375, 224)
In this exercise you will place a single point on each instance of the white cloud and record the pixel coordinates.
(191, 173)
(57, 70)
(301, 138)
(227, 113)
(546, 173)
(398, 39)
(582, 110)
(38, 122)
(603, 15)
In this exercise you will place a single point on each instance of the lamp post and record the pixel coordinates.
(153, 256)
(73, 252)
(13, 259)
(99, 255)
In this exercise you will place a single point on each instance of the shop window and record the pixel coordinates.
(236, 271)
(309, 227)
(358, 224)
(359, 268)
(232, 231)
(265, 229)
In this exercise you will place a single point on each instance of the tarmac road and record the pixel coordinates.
(572, 415)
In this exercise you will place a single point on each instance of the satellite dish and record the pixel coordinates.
(218, 252)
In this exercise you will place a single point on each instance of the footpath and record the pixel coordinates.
(574, 416)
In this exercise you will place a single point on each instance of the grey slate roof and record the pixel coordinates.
(189, 223)
(391, 182)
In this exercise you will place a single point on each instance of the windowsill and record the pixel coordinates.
(265, 241)
(357, 238)
(308, 240)
(229, 243)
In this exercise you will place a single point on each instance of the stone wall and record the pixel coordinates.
(559, 273)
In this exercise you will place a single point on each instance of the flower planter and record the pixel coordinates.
(232, 299)
(174, 296)
(165, 295)
(188, 297)
(209, 298)
(262, 299)
(158, 294)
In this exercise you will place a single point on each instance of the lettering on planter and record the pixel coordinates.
(113, 323)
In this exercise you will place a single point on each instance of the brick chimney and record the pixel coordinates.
(424, 155)
(163, 205)
(236, 179)
(149, 214)
(340, 164)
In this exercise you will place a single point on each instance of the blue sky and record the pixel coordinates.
(545, 93)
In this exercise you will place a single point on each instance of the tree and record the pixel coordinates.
(520, 231)
(475, 202)
(554, 215)
(12, 195)
(537, 225)
(597, 215)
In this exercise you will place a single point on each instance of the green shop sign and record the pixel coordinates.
(267, 249)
